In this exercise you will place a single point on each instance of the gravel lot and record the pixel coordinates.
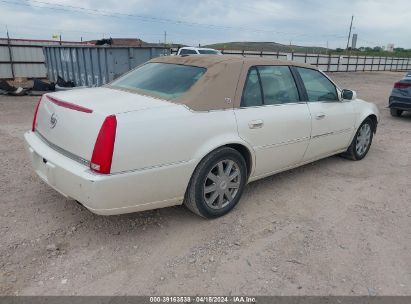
(334, 227)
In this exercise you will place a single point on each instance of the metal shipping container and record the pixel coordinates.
(95, 65)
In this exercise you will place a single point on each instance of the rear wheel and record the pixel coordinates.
(395, 112)
(361, 142)
(217, 183)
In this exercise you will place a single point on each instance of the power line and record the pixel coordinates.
(42, 28)
(145, 18)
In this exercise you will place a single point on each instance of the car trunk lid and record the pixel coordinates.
(71, 120)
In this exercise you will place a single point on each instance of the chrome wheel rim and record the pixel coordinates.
(363, 139)
(221, 184)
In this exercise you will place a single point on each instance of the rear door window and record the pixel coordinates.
(278, 85)
(269, 85)
(252, 95)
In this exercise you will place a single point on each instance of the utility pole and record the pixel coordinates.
(10, 53)
(349, 33)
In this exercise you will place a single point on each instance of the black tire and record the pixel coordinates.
(395, 112)
(195, 198)
(352, 152)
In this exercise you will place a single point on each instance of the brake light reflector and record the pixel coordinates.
(402, 85)
(69, 105)
(33, 126)
(104, 146)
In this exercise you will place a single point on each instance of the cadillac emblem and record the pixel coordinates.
(53, 120)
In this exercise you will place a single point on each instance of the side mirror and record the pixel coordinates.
(348, 94)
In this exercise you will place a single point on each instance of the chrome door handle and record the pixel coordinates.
(255, 124)
(320, 116)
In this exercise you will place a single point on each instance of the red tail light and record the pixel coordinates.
(33, 126)
(402, 85)
(104, 147)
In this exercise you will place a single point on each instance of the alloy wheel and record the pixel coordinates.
(363, 139)
(221, 184)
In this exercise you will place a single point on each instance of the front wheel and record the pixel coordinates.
(361, 142)
(217, 183)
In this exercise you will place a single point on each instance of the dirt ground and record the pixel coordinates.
(334, 227)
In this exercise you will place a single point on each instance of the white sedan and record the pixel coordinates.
(193, 130)
(190, 50)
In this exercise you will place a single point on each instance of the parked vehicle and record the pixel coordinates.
(400, 98)
(193, 130)
(189, 50)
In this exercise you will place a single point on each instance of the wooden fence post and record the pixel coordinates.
(329, 62)
(10, 55)
(338, 63)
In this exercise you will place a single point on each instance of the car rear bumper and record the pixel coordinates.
(118, 193)
(400, 103)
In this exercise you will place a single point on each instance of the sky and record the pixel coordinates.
(308, 23)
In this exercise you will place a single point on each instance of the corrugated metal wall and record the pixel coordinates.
(94, 65)
(27, 61)
(27, 57)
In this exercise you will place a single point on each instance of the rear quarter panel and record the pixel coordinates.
(170, 136)
(157, 150)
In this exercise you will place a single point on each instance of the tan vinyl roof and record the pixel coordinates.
(207, 61)
(222, 85)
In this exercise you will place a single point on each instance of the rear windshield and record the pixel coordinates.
(161, 79)
(209, 52)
